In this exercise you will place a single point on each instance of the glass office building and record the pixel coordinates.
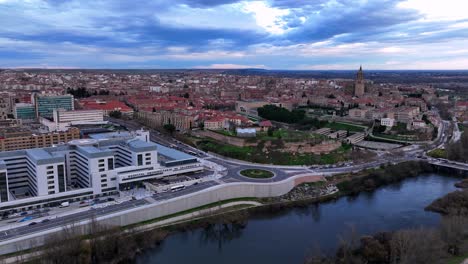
(24, 111)
(45, 105)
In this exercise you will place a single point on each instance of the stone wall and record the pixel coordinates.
(235, 141)
(302, 147)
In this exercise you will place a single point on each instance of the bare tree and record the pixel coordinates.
(419, 246)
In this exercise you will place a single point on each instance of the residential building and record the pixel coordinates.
(355, 138)
(216, 123)
(406, 114)
(249, 107)
(323, 131)
(357, 113)
(182, 122)
(16, 138)
(5, 106)
(106, 106)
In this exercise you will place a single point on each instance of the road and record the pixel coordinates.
(69, 219)
(230, 174)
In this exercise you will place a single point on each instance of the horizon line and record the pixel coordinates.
(220, 69)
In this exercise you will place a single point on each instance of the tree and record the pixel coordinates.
(280, 114)
(169, 128)
(115, 114)
(186, 95)
(270, 132)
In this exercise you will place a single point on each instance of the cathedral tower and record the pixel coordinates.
(359, 86)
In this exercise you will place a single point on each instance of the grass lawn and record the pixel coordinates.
(225, 132)
(345, 126)
(461, 127)
(438, 153)
(457, 260)
(394, 137)
(255, 154)
(257, 173)
(288, 135)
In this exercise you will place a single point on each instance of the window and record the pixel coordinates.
(50, 182)
(103, 180)
(102, 169)
(113, 179)
(103, 175)
(3, 187)
(49, 167)
(61, 178)
(51, 192)
(104, 185)
(51, 187)
(101, 160)
(140, 159)
(50, 172)
(148, 154)
(110, 164)
(50, 177)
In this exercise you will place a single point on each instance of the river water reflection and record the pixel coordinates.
(293, 234)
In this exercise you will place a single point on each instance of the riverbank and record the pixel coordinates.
(440, 245)
(237, 217)
(289, 232)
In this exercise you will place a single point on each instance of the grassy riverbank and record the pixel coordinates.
(120, 245)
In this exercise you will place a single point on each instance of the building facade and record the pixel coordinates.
(182, 122)
(81, 169)
(45, 104)
(11, 140)
(62, 119)
(24, 111)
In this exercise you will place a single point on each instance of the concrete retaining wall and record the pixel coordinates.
(168, 207)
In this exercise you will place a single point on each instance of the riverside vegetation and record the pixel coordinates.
(447, 243)
(117, 245)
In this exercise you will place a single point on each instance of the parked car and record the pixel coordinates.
(32, 223)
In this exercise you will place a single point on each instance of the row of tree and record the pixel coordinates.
(280, 114)
(459, 150)
(410, 246)
(82, 92)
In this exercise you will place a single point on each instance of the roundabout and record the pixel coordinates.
(257, 173)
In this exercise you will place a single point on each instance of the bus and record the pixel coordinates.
(193, 153)
(177, 188)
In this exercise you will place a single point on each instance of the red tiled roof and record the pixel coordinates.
(265, 123)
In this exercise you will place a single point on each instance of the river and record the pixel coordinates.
(293, 234)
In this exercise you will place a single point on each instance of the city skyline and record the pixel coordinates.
(274, 34)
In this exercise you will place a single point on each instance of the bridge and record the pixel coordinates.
(450, 164)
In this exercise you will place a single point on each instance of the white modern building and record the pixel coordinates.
(388, 122)
(62, 119)
(84, 169)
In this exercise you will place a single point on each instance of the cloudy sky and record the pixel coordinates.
(271, 34)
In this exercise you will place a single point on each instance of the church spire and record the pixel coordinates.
(359, 86)
(360, 74)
